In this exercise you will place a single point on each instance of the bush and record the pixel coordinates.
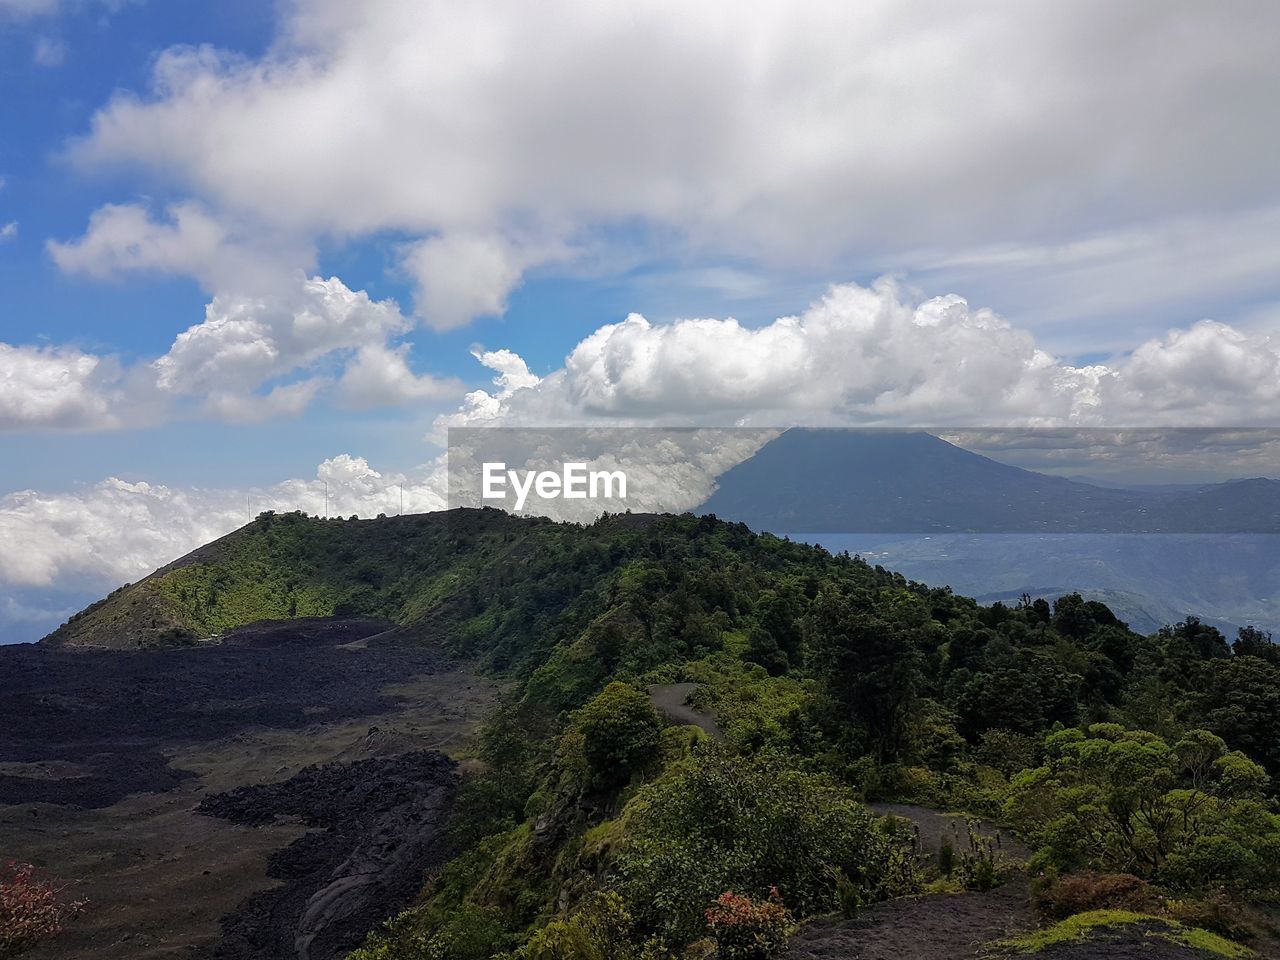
(620, 735)
(1009, 751)
(470, 933)
(1189, 815)
(946, 857)
(980, 867)
(1081, 892)
(1219, 913)
(751, 824)
(465, 932)
(598, 930)
(31, 910)
(746, 929)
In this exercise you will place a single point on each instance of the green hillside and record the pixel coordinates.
(592, 827)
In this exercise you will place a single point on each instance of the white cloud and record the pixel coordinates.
(786, 135)
(9, 231)
(55, 387)
(252, 358)
(125, 238)
(881, 356)
(460, 277)
(266, 320)
(246, 341)
(860, 355)
(480, 407)
(118, 531)
(379, 376)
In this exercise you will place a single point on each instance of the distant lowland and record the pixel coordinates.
(946, 516)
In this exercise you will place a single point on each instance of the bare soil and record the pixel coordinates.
(939, 927)
(672, 701)
(965, 926)
(934, 826)
(105, 757)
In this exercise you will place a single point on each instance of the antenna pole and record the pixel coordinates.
(326, 499)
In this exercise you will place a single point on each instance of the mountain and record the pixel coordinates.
(480, 580)
(283, 566)
(883, 481)
(821, 676)
(995, 531)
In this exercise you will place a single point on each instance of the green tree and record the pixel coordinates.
(620, 734)
(1252, 642)
(724, 823)
(1239, 699)
(1190, 813)
(870, 666)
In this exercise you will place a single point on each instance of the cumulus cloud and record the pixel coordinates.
(118, 531)
(55, 387)
(481, 407)
(379, 376)
(266, 320)
(9, 230)
(245, 341)
(253, 357)
(788, 135)
(880, 355)
(188, 240)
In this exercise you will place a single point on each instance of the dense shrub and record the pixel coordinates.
(620, 735)
(1190, 814)
(599, 929)
(746, 929)
(750, 825)
(1079, 892)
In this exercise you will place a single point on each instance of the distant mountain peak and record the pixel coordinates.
(910, 481)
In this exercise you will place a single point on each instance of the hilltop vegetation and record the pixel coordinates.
(594, 828)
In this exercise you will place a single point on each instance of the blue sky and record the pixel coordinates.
(104, 49)
(255, 247)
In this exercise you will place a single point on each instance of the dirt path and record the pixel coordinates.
(932, 826)
(671, 699)
(939, 927)
(962, 926)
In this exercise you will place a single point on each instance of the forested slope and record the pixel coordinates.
(592, 821)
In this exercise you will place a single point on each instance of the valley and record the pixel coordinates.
(112, 759)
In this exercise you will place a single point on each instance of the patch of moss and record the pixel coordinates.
(1083, 925)
(1199, 939)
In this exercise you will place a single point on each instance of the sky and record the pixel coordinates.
(249, 249)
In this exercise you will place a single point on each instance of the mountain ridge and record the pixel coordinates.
(887, 481)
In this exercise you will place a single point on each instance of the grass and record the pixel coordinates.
(1082, 925)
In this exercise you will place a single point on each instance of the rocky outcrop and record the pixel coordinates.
(378, 825)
